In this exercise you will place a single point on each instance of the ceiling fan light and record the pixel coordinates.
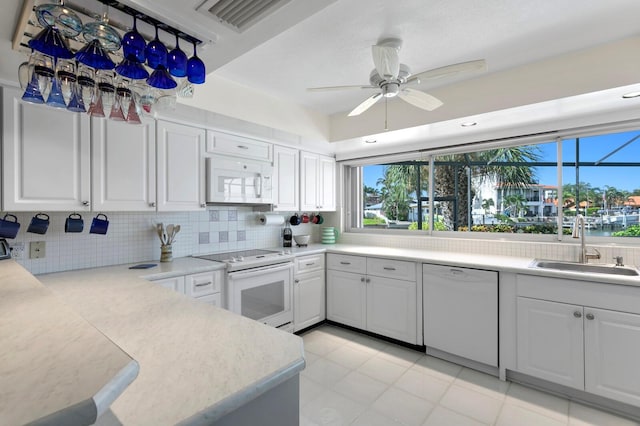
(468, 124)
(631, 95)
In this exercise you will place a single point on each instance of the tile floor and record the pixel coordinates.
(353, 379)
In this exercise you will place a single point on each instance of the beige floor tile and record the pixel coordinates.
(310, 358)
(582, 415)
(360, 387)
(422, 385)
(403, 407)
(514, 415)
(340, 333)
(399, 355)
(321, 344)
(374, 418)
(331, 408)
(325, 372)
(444, 370)
(483, 383)
(381, 369)
(473, 404)
(349, 356)
(540, 402)
(441, 416)
(309, 390)
(371, 342)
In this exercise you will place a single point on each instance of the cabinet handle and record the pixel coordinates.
(577, 314)
(204, 284)
(152, 204)
(243, 147)
(296, 281)
(590, 316)
(309, 264)
(389, 268)
(275, 206)
(85, 203)
(203, 205)
(368, 280)
(345, 263)
(361, 279)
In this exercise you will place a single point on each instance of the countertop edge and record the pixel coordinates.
(112, 390)
(240, 398)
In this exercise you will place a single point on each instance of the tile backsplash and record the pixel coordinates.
(132, 237)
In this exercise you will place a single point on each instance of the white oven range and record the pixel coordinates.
(259, 285)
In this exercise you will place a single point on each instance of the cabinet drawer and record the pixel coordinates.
(239, 146)
(174, 283)
(347, 263)
(203, 284)
(212, 299)
(397, 269)
(309, 263)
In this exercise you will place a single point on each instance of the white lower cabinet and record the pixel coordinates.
(378, 303)
(308, 291)
(592, 344)
(204, 286)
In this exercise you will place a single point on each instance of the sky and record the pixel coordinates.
(591, 149)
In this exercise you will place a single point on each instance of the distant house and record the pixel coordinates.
(539, 200)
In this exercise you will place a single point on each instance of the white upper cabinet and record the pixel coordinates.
(180, 167)
(317, 182)
(45, 157)
(123, 165)
(239, 146)
(286, 181)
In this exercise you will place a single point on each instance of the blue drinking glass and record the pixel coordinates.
(32, 92)
(156, 53)
(196, 72)
(94, 56)
(133, 44)
(161, 79)
(131, 68)
(177, 61)
(76, 103)
(55, 98)
(50, 42)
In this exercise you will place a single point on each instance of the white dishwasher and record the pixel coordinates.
(461, 312)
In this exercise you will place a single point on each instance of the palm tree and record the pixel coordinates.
(395, 191)
(507, 166)
(487, 203)
(515, 203)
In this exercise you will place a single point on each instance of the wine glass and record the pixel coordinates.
(133, 44)
(50, 42)
(156, 52)
(196, 72)
(177, 61)
(161, 79)
(57, 16)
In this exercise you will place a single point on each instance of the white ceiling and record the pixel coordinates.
(536, 51)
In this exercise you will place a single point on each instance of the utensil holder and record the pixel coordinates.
(166, 253)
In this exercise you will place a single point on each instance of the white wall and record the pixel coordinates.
(131, 237)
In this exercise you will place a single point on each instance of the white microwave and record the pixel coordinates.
(236, 180)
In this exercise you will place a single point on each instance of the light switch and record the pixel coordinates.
(36, 249)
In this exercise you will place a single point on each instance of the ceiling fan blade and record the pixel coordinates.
(368, 103)
(329, 88)
(479, 65)
(386, 61)
(420, 99)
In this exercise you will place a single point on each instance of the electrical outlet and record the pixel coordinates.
(17, 251)
(36, 249)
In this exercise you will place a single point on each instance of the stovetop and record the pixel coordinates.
(245, 259)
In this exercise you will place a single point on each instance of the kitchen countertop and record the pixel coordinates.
(197, 362)
(53, 363)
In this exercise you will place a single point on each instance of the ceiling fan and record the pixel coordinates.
(391, 78)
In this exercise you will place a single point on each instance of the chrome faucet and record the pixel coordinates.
(579, 232)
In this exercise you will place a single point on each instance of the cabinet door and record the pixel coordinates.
(45, 157)
(550, 341)
(123, 166)
(309, 297)
(286, 179)
(309, 166)
(239, 146)
(211, 299)
(346, 298)
(391, 308)
(326, 183)
(180, 167)
(174, 283)
(612, 351)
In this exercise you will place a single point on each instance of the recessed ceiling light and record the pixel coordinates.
(630, 95)
(370, 141)
(469, 124)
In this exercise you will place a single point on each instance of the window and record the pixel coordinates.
(508, 190)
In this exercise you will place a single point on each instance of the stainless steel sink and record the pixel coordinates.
(585, 268)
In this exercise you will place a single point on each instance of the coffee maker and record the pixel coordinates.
(287, 236)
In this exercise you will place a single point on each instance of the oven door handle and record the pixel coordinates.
(260, 270)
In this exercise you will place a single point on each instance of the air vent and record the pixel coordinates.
(241, 15)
